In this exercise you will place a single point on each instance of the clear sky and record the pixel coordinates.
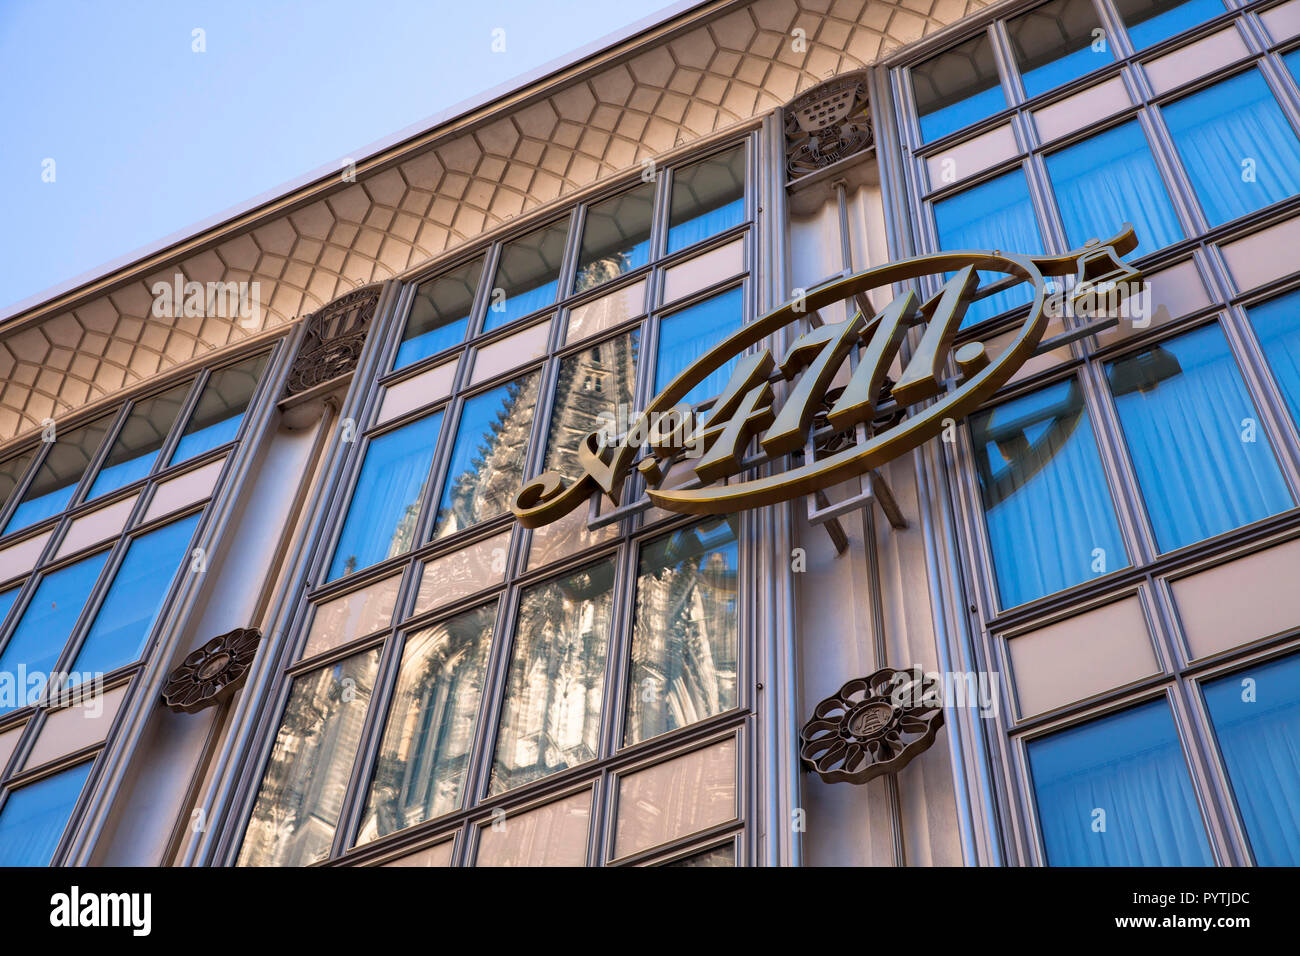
(149, 137)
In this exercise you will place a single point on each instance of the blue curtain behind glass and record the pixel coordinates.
(431, 342)
(1182, 405)
(993, 215)
(1046, 505)
(1079, 63)
(1108, 180)
(686, 335)
(126, 618)
(1171, 22)
(1277, 325)
(1256, 715)
(955, 116)
(381, 518)
(1130, 767)
(706, 224)
(34, 817)
(6, 602)
(1218, 129)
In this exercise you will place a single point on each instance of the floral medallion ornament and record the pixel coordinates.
(213, 672)
(873, 726)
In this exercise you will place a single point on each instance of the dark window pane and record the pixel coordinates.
(957, 88)
(424, 756)
(708, 198)
(137, 443)
(686, 335)
(550, 720)
(615, 237)
(12, 473)
(686, 632)
(1203, 461)
(385, 504)
(301, 796)
(440, 313)
(1240, 152)
(1150, 21)
(55, 481)
(1116, 792)
(528, 275)
(215, 419)
(35, 816)
(592, 385)
(724, 855)
(1053, 44)
(487, 462)
(1277, 325)
(1108, 180)
(44, 629)
(1050, 518)
(1256, 716)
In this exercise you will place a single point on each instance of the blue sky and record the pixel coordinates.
(150, 137)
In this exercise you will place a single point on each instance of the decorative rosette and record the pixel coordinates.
(874, 725)
(213, 672)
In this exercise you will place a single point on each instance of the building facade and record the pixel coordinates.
(266, 602)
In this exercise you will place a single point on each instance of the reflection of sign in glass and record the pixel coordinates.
(718, 435)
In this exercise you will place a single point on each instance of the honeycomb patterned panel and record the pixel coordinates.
(690, 85)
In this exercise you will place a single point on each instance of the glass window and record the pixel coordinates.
(126, 618)
(385, 506)
(137, 444)
(1203, 461)
(301, 796)
(12, 472)
(1256, 716)
(423, 759)
(592, 386)
(724, 855)
(55, 481)
(993, 215)
(528, 275)
(44, 629)
(215, 419)
(1277, 326)
(440, 313)
(551, 716)
(1050, 518)
(1150, 21)
(1108, 180)
(708, 198)
(686, 631)
(34, 817)
(1116, 792)
(1292, 61)
(7, 599)
(615, 237)
(686, 335)
(1240, 152)
(1056, 43)
(487, 461)
(957, 88)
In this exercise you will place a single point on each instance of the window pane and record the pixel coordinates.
(34, 817)
(420, 771)
(993, 215)
(1108, 180)
(1256, 716)
(44, 629)
(615, 237)
(592, 385)
(1150, 21)
(708, 198)
(126, 618)
(724, 855)
(685, 635)
(1046, 504)
(551, 716)
(439, 314)
(487, 462)
(215, 419)
(7, 599)
(1227, 131)
(686, 335)
(301, 796)
(1053, 44)
(528, 275)
(137, 444)
(1277, 325)
(386, 501)
(12, 472)
(1125, 771)
(1202, 461)
(55, 481)
(957, 88)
